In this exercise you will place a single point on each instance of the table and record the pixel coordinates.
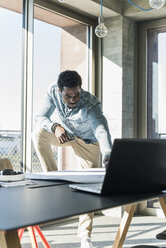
(29, 205)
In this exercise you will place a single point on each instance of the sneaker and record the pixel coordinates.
(86, 243)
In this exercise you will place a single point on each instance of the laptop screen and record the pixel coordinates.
(136, 166)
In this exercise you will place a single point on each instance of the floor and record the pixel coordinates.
(142, 231)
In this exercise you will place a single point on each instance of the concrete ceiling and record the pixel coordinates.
(111, 8)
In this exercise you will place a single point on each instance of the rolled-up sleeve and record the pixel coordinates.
(100, 129)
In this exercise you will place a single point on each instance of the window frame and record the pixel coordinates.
(142, 74)
(94, 57)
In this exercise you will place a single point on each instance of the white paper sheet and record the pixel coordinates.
(16, 183)
(84, 176)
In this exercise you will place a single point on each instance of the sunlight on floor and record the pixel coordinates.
(142, 231)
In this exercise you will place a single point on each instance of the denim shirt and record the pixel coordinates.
(86, 121)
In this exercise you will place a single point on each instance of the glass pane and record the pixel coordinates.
(156, 88)
(162, 85)
(10, 78)
(156, 83)
(112, 97)
(59, 44)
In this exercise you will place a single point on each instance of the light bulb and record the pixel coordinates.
(101, 30)
(156, 4)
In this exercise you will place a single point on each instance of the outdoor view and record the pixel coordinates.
(55, 39)
(47, 67)
(10, 86)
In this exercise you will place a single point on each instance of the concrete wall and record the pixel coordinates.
(118, 76)
(129, 58)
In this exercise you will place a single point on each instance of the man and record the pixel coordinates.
(82, 126)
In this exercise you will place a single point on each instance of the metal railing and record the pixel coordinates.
(10, 147)
(10, 144)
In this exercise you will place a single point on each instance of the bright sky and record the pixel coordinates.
(10, 63)
(46, 65)
(162, 84)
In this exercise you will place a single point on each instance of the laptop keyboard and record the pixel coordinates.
(95, 186)
(91, 187)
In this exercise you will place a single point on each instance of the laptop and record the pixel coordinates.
(135, 166)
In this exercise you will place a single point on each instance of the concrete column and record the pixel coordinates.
(119, 60)
(129, 29)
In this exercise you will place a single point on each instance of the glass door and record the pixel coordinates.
(152, 90)
(156, 83)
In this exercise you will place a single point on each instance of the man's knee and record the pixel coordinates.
(37, 136)
(36, 133)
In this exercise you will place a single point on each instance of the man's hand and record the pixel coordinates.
(105, 162)
(61, 134)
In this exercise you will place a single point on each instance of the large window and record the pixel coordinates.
(51, 43)
(152, 88)
(59, 44)
(151, 79)
(156, 85)
(10, 78)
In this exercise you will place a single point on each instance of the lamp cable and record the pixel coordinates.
(139, 6)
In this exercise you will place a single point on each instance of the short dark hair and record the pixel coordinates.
(69, 79)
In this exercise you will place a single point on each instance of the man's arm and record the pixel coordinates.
(46, 109)
(43, 118)
(101, 131)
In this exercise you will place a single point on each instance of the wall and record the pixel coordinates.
(129, 58)
(118, 76)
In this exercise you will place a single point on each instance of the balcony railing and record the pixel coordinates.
(10, 147)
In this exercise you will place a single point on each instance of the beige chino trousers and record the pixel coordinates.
(87, 155)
